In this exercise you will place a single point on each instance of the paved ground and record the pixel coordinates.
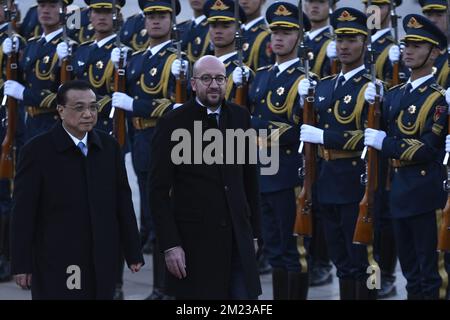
(138, 286)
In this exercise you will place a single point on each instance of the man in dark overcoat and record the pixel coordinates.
(72, 208)
(207, 215)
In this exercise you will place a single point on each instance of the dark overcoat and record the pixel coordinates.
(203, 207)
(72, 210)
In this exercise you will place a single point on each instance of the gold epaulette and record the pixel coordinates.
(264, 68)
(86, 42)
(438, 88)
(34, 38)
(138, 52)
(172, 49)
(328, 35)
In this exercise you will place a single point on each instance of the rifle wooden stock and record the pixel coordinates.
(119, 122)
(395, 73)
(444, 230)
(241, 95)
(303, 219)
(66, 71)
(364, 225)
(7, 158)
(181, 88)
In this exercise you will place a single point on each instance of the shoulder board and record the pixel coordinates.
(438, 88)
(183, 22)
(328, 35)
(263, 26)
(314, 76)
(138, 52)
(87, 42)
(331, 77)
(204, 23)
(398, 86)
(367, 76)
(171, 49)
(264, 67)
(390, 38)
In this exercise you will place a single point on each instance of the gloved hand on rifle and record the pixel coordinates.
(370, 93)
(331, 50)
(374, 138)
(447, 96)
(394, 54)
(122, 101)
(62, 50)
(115, 56)
(447, 143)
(238, 73)
(311, 134)
(178, 66)
(303, 87)
(7, 45)
(14, 89)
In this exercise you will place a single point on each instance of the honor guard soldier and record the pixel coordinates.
(437, 12)
(30, 26)
(133, 33)
(341, 112)
(320, 36)
(273, 97)
(222, 29)
(91, 61)
(6, 32)
(256, 47)
(415, 123)
(150, 90)
(39, 69)
(195, 33)
(86, 31)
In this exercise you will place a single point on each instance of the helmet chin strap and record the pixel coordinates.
(424, 61)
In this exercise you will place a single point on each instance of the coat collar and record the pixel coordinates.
(63, 142)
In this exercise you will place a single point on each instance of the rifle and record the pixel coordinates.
(334, 61)
(8, 156)
(242, 88)
(444, 230)
(394, 25)
(66, 67)
(181, 82)
(303, 219)
(364, 225)
(118, 115)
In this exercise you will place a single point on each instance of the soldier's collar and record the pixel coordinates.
(380, 33)
(4, 25)
(199, 20)
(49, 37)
(104, 41)
(418, 82)
(250, 24)
(315, 33)
(285, 65)
(352, 73)
(154, 50)
(227, 56)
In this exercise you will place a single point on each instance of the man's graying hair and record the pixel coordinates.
(71, 85)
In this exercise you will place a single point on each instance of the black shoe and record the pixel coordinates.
(387, 289)
(320, 276)
(147, 248)
(156, 295)
(118, 294)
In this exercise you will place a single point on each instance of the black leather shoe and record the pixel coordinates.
(320, 276)
(387, 289)
(118, 294)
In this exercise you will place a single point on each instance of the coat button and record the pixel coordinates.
(326, 126)
(288, 151)
(354, 163)
(329, 110)
(396, 170)
(423, 172)
(105, 122)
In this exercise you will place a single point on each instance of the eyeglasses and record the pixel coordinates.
(80, 108)
(206, 79)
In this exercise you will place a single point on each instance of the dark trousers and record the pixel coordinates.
(351, 260)
(147, 228)
(422, 266)
(278, 217)
(238, 287)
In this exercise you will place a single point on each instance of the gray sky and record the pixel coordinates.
(131, 7)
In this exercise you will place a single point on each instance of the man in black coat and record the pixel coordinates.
(72, 211)
(207, 216)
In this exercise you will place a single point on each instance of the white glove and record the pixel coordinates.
(176, 105)
(394, 53)
(7, 45)
(311, 134)
(374, 138)
(304, 85)
(14, 89)
(122, 101)
(370, 93)
(115, 56)
(176, 67)
(447, 96)
(62, 50)
(447, 143)
(331, 50)
(237, 75)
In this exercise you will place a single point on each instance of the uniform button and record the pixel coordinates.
(277, 104)
(259, 116)
(396, 170)
(329, 110)
(345, 134)
(153, 103)
(55, 117)
(326, 126)
(402, 145)
(423, 172)
(136, 97)
(105, 122)
(344, 112)
(225, 188)
(85, 74)
(288, 151)
(262, 101)
(270, 126)
(151, 83)
(354, 163)
(138, 83)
